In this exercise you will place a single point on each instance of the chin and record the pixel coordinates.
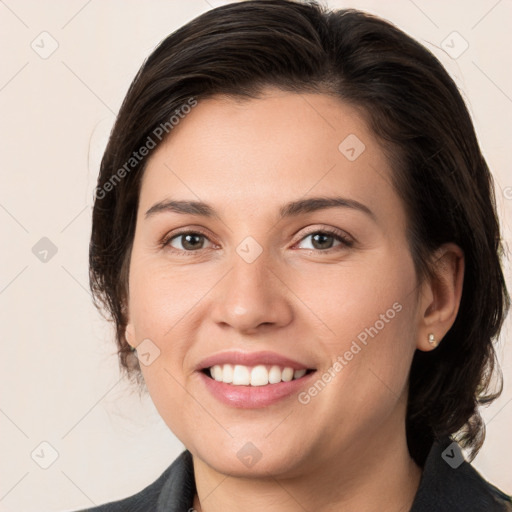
(248, 460)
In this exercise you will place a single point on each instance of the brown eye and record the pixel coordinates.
(323, 240)
(188, 241)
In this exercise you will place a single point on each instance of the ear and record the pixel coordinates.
(129, 334)
(440, 296)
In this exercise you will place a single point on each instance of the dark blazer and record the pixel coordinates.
(448, 484)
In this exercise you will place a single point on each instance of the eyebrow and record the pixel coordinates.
(292, 209)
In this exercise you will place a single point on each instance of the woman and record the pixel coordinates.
(295, 233)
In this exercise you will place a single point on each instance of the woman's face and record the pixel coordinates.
(270, 278)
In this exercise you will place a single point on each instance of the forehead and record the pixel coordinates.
(262, 152)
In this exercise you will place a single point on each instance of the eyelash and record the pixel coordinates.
(346, 242)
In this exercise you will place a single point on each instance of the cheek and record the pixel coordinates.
(161, 297)
(361, 300)
(173, 403)
(369, 312)
(161, 302)
(164, 306)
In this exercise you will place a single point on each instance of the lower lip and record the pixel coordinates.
(253, 397)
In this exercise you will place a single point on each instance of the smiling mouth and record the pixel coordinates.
(260, 375)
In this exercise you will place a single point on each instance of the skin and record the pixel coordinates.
(346, 449)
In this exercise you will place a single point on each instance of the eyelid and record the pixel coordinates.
(164, 242)
(345, 239)
(343, 236)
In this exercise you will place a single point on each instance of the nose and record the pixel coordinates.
(252, 297)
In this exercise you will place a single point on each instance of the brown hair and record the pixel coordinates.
(414, 108)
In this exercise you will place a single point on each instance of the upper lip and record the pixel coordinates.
(251, 359)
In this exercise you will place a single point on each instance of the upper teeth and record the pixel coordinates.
(260, 375)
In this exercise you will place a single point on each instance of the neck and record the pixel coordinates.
(369, 475)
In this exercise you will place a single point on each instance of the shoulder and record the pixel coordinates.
(451, 484)
(173, 490)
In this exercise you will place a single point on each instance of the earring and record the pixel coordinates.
(432, 340)
(132, 348)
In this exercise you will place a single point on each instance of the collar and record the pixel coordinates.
(448, 484)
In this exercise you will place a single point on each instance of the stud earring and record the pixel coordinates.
(132, 348)
(432, 340)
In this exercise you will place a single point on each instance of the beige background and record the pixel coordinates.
(59, 377)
